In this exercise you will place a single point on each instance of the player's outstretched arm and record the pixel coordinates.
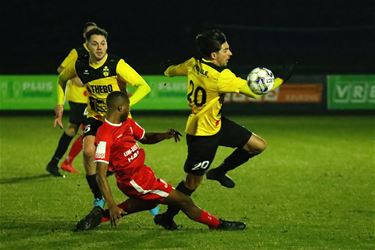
(179, 69)
(66, 74)
(283, 74)
(115, 212)
(152, 137)
(129, 76)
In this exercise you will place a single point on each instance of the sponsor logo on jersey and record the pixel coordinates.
(105, 71)
(100, 150)
(131, 150)
(86, 72)
(101, 89)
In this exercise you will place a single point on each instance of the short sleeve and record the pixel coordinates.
(68, 73)
(138, 131)
(72, 57)
(103, 141)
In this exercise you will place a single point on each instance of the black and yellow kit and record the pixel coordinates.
(102, 79)
(207, 85)
(206, 128)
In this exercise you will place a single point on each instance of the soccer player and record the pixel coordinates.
(118, 149)
(100, 73)
(208, 81)
(77, 98)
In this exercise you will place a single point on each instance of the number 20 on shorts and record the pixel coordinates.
(201, 165)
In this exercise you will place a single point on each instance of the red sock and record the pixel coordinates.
(75, 149)
(208, 219)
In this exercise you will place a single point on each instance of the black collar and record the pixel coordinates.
(212, 65)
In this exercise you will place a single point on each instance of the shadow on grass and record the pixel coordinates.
(24, 178)
(35, 226)
(58, 233)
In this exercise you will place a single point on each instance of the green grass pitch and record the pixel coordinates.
(313, 188)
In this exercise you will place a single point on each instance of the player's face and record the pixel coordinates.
(124, 109)
(221, 57)
(97, 46)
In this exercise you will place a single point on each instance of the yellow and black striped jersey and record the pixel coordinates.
(74, 92)
(102, 79)
(207, 85)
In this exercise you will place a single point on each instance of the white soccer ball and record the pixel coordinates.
(260, 80)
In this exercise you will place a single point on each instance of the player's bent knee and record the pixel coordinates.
(262, 146)
(89, 152)
(255, 145)
(184, 201)
(71, 131)
(89, 147)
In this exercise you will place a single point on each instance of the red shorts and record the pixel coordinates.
(144, 185)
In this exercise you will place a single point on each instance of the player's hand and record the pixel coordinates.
(59, 109)
(285, 71)
(115, 214)
(165, 64)
(174, 133)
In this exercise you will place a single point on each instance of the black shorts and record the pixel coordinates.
(77, 113)
(91, 126)
(202, 149)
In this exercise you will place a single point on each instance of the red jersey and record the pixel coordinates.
(117, 146)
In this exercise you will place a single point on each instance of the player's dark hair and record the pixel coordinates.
(209, 41)
(96, 31)
(88, 24)
(115, 98)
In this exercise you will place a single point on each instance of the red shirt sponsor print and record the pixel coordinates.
(117, 146)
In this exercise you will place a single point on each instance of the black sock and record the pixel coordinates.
(173, 210)
(91, 180)
(61, 149)
(106, 213)
(237, 158)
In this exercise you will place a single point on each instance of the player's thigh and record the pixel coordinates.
(89, 146)
(144, 185)
(233, 135)
(135, 205)
(201, 152)
(91, 126)
(72, 129)
(77, 113)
